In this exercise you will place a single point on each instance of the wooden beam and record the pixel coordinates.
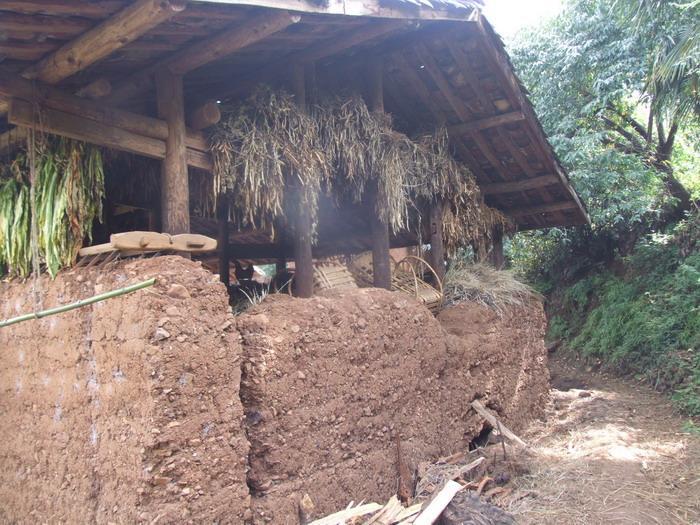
(234, 85)
(437, 245)
(486, 123)
(204, 116)
(14, 86)
(52, 25)
(227, 42)
(124, 27)
(174, 185)
(520, 185)
(223, 242)
(496, 256)
(542, 208)
(381, 258)
(56, 122)
(302, 234)
(13, 139)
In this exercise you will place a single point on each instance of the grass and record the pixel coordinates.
(483, 284)
(641, 320)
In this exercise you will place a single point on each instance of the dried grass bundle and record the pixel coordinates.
(259, 148)
(485, 285)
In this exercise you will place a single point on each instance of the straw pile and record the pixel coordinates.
(485, 285)
(64, 199)
(268, 146)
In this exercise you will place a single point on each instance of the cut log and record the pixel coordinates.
(205, 115)
(117, 31)
(495, 423)
(174, 188)
(100, 88)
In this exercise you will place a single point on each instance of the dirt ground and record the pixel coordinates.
(609, 451)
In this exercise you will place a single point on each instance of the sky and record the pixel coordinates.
(508, 16)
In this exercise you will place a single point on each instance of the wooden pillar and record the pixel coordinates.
(302, 240)
(381, 258)
(437, 246)
(175, 194)
(497, 258)
(222, 242)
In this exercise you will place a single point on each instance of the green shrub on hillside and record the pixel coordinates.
(643, 322)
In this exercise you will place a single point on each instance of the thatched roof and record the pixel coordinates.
(444, 65)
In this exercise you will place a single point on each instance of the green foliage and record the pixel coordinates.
(643, 320)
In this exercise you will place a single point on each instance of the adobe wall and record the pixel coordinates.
(124, 411)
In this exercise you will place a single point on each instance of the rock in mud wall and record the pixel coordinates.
(125, 411)
(330, 383)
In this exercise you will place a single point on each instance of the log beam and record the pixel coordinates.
(486, 123)
(542, 208)
(204, 116)
(14, 86)
(302, 238)
(220, 45)
(174, 189)
(381, 258)
(124, 27)
(497, 188)
(497, 258)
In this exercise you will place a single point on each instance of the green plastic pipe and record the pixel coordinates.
(78, 304)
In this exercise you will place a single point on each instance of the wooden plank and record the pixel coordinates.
(225, 43)
(14, 86)
(495, 423)
(85, 8)
(520, 185)
(344, 515)
(52, 25)
(486, 123)
(234, 85)
(156, 242)
(542, 208)
(117, 31)
(79, 128)
(175, 193)
(369, 8)
(432, 511)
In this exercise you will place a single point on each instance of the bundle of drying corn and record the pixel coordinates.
(68, 191)
(261, 147)
(267, 144)
(497, 289)
(366, 154)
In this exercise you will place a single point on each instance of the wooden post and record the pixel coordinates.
(303, 258)
(497, 258)
(175, 194)
(222, 241)
(437, 246)
(381, 258)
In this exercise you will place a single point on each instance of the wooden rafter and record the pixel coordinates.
(486, 123)
(224, 43)
(497, 188)
(124, 27)
(318, 51)
(550, 207)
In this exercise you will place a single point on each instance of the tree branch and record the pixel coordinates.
(639, 128)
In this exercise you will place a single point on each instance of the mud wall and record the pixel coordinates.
(124, 411)
(330, 384)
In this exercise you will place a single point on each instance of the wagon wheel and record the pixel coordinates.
(413, 263)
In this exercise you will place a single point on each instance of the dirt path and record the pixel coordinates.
(609, 451)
